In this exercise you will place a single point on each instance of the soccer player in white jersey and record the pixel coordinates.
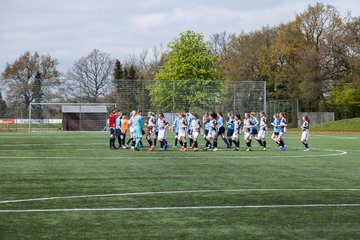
(283, 126)
(248, 125)
(195, 131)
(189, 119)
(305, 132)
(131, 129)
(262, 130)
(175, 126)
(213, 133)
(150, 129)
(237, 131)
(182, 132)
(162, 125)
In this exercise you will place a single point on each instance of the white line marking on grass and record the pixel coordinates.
(340, 205)
(157, 156)
(184, 191)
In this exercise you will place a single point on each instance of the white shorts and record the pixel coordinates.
(305, 136)
(195, 135)
(212, 133)
(132, 132)
(282, 135)
(247, 136)
(262, 134)
(162, 134)
(235, 136)
(182, 133)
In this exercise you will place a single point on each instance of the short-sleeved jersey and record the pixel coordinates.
(284, 122)
(255, 122)
(124, 125)
(237, 125)
(132, 121)
(118, 122)
(305, 126)
(162, 123)
(213, 124)
(276, 124)
(220, 122)
(112, 119)
(248, 124)
(207, 124)
(151, 123)
(189, 119)
(176, 124)
(196, 125)
(183, 124)
(263, 123)
(230, 123)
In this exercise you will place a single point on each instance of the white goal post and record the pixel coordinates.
(49, 113)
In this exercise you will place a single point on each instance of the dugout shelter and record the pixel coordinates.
(84, 118)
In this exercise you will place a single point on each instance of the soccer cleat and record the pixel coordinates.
(264, 149)
(236, 149)
(182, 149)
(161, 149)
(306, 149)
(249, 149)
(205, 149)
(196, 149)
(215, 149)
(132, 148)
(123, 147)
(174, 146)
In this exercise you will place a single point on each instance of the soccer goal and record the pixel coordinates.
(44, 117)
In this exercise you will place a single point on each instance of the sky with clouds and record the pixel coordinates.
(70, 29)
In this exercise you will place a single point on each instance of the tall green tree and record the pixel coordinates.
(19, 78)
(188, 78)
(118, 75)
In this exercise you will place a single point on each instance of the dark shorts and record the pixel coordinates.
(221, 130)
(176, 134)
(276, 133)
(112, 131)
(254, 131)
(230, 132)
(206, 132)
(118, 132)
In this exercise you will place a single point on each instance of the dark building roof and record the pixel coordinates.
(83, 109)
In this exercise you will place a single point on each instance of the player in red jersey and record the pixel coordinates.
(112, 119)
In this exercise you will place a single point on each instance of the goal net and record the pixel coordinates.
(45, 117)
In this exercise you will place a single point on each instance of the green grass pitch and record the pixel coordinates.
(74, 187)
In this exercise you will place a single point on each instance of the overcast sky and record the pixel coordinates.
(70, 29)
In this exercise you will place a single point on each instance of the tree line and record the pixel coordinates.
(314, 58)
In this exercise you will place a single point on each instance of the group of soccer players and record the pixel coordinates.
(188, 126)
